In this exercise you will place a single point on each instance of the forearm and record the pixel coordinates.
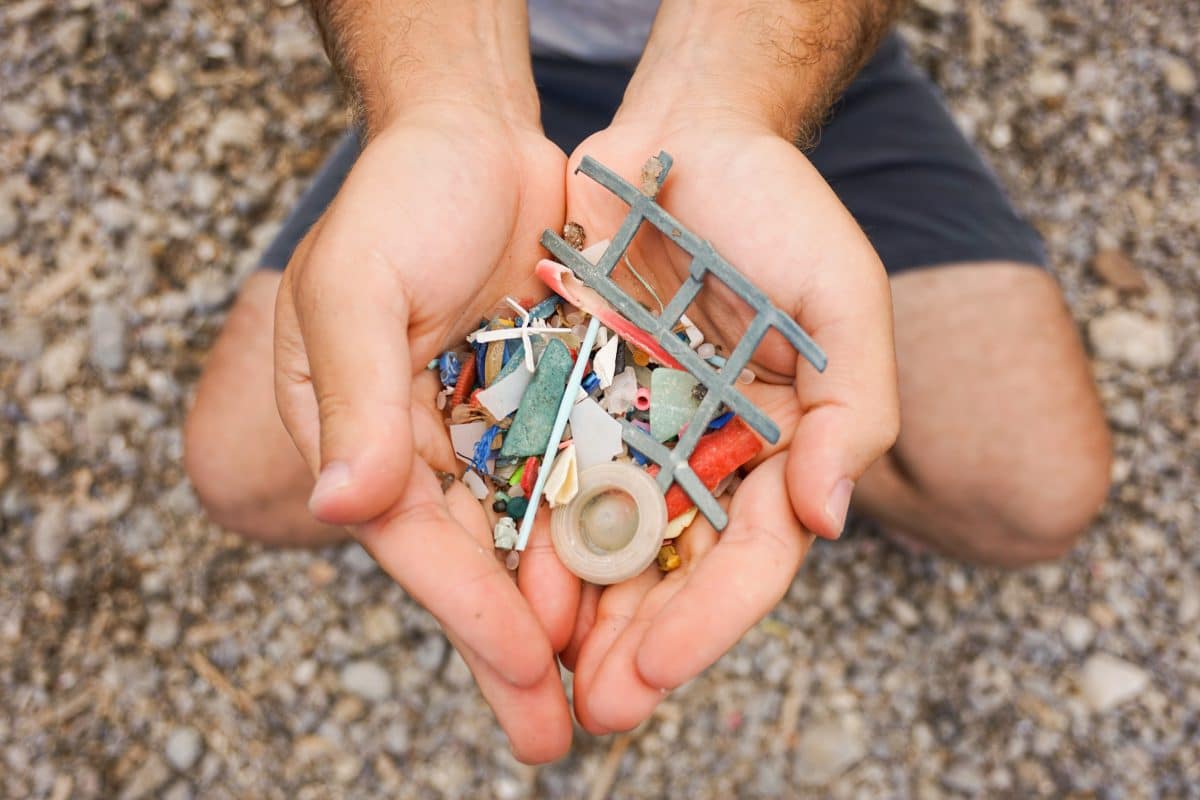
(778, 62)
(394, 55)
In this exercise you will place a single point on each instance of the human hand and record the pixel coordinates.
(437, 221)
(756, 198)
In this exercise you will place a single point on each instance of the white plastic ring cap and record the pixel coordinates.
(613, 528)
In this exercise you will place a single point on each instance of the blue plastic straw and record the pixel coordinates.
(560, 424)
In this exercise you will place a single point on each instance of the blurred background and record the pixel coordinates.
(149, 149)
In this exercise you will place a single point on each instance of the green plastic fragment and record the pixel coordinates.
(673, 402)
(531, 427)
(516, 476)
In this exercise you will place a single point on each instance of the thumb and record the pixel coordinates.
(850, 417)
(343, 381)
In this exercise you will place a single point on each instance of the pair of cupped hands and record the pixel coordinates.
(438, 221)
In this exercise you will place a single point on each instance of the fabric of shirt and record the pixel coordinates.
(597, 31)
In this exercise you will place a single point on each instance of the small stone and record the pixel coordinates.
(60, 364)
(530, 431)
(70, 34)
(826, 750)
(1108, 681)
(1049, 85)
(10, 220)
(304, 672)
(161, 83)
(20, 117)
(162, 630)
(50, 533)
(381, 624)
(147, 779)
(430, 653)
(1132, 339)
(1078, 632)
(232, 128)
(208, 291)
(1178, 75)
(113, 215)
(904, 613)
(204, 190)
(366, 679)
(672, 402)
(184, 747)
(107, 328)
(668, 558)
(1117, 270)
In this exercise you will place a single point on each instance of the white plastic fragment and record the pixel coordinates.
(505, 533)
(465, 435)
(677, 526)
(706, 350)
(695, 337)
(504, 396)
(563, 482)
(621, 393)
(475, 483)
(593, 252)
(605, 362)
(746, 377)
(596, 435)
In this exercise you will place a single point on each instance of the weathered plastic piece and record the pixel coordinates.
(720, 384)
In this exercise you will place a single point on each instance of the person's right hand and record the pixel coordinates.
(437, 221)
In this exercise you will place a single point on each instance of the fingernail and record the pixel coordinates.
(838, 504)
(334, 477)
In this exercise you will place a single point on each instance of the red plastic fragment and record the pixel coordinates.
(717, 454)
(466, 381)
(529, 476)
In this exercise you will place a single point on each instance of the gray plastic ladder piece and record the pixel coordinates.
(720, 383)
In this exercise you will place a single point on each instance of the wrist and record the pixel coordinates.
(403, 56)
(777, 66)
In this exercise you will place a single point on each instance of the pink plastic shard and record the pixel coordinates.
(564, 283)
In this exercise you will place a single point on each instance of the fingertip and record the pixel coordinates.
(353, 491)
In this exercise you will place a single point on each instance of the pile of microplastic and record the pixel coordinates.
(504, 389)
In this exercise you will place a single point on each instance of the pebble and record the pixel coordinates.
(50, 533)
(60, 364)
(185, 745)
(1049, 84)
(162, 630)
(1078, 632)
(20, 117)
(1178, 75)
(1132, 339)
(232, 128)
(826, 750)
(161, 83)
(1108, 681)
(151, 776)
(366, 679)
(10, 220)
(114, 215)
(107, 327)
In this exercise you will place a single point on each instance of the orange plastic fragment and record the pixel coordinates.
(717, 454)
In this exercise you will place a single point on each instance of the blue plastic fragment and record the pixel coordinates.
(720, 421)
(717, 361)
(483, 449)
(448, 368)
(545, 308)
(480, 359)
(637, 457)
(591, 383)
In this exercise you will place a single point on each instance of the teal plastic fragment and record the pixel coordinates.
(673, 402)
(530, 431)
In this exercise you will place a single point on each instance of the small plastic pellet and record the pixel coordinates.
(706, 350)
(512, 560)
(499, 506)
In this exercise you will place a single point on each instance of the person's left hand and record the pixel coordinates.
(757, 199)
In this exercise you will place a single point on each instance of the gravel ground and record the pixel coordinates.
(149, 148)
